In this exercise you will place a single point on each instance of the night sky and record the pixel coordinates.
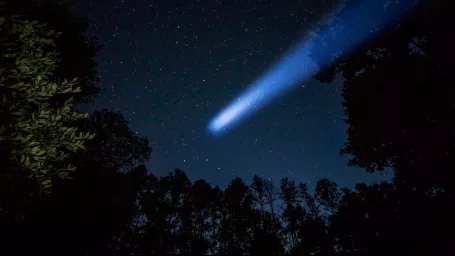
(171, 66)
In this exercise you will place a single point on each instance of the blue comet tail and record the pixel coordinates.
(295, 66)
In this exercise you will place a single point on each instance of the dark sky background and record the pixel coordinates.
(171, 66)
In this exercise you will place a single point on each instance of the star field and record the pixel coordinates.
(170, 66)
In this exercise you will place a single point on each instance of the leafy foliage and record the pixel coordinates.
(114, 206)
(38, 132)
(117, 146)
(87, 214)
(397, 96)
(75, 47)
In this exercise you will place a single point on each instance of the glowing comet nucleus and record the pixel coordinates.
(295, 66)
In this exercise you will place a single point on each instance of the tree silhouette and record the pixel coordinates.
(115, 145)
(236, 219)
(308, 199)
(388, 77)
(397, 102)
(293, 212)
(199, 204)
(114, 206)
(258, 188)
(328, 195)
(265, 239)
(265, 194)
(84, 214)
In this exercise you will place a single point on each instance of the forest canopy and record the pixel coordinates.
(101, 199)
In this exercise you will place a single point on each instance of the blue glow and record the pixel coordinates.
(295, 66)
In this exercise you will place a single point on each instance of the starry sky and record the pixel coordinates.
(171, 65)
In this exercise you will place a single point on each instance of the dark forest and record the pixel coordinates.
(76, 183)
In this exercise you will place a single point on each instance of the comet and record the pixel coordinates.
(296, 67)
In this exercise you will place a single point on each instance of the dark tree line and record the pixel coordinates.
(399, 105)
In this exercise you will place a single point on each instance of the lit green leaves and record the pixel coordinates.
(42, 133)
